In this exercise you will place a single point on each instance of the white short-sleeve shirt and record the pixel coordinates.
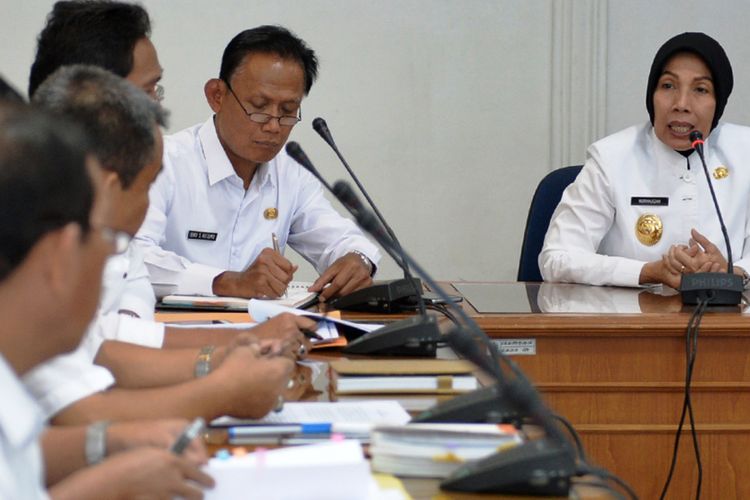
(69, 377)
(201, 221)
(21, 423)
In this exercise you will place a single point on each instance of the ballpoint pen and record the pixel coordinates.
(277, 249)
(191, 432)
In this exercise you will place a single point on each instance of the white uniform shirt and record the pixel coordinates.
(592, 235)
(21, 423)
(69, 377)
(201, 221)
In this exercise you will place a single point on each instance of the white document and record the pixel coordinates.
(261, 310)
(384, 412)
(324, 471)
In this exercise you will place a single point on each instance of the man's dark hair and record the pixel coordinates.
(44, 184)
(269, 40)
(97, 32)
(118, 116)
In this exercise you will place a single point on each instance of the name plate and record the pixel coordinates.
(516, 347)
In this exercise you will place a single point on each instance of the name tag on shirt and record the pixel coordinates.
(648, 201)
(202, 235)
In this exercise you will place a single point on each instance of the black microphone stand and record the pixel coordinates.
(415, 336)
(360, 300)
(717, 289)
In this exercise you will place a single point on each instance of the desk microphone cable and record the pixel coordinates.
(691, 351)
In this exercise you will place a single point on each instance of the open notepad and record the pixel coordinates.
(296, 296)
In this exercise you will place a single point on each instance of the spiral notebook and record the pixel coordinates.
(296, 296)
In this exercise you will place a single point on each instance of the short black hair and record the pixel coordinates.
(269, 40)
(44, 184)
(118, 116)
(97, 32)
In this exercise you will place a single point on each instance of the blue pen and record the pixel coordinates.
(299, 429)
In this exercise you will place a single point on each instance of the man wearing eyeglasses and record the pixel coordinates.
(123, 124)
(228, 186)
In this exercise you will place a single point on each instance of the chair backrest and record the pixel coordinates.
(543, 204)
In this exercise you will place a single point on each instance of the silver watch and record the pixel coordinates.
(96, 442)
(203, 361)
(366, 260)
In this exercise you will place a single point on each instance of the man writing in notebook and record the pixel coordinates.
(228, 185)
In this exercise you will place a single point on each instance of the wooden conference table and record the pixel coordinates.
(612, 361)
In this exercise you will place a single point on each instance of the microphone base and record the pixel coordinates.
(485, 405)
(385, 297)
(538, 467)
(416, 336)
(719, 289)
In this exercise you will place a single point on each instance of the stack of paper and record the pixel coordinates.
(326, 471)
(436, 450)
(299, 423)
(433, 376)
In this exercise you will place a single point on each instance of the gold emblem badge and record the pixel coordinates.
(720, 172)
(648, 229)
(270, 213)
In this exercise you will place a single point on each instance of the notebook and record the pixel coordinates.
(297, 296)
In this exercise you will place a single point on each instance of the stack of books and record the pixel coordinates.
(402, 376)
(437, 450)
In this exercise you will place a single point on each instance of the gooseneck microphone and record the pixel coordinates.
(396, 295)
(415, 336)
(321, 127)
(724, 289)
(542, 466)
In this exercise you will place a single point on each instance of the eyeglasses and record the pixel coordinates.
(120, 240)
(263, 118)
(159, 92)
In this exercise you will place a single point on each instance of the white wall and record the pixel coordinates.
(443, 107)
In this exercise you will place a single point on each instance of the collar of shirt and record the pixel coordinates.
(217, 161)
(20, 417)
(668, 156)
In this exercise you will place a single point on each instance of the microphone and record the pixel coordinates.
(362, 299)
(542, 466)
(415, 336)
(321, 127)
(722, 289)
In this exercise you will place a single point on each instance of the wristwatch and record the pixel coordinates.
(203, 361)
(96, 442)
(366, 261)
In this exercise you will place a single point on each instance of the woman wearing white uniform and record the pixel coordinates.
(640, 211)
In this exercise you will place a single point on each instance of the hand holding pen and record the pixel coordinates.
(191, 432)
(277, 249)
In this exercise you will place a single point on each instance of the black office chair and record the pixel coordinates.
(543, 204)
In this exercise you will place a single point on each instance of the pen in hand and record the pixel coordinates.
(277, 249)
(191, 432)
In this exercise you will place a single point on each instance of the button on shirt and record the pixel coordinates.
(21, 423)
(201, 220)
(67, 378)
(592, 234)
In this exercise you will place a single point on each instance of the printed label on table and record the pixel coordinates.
(516, 347)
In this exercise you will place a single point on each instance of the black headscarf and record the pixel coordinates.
(712, 54)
